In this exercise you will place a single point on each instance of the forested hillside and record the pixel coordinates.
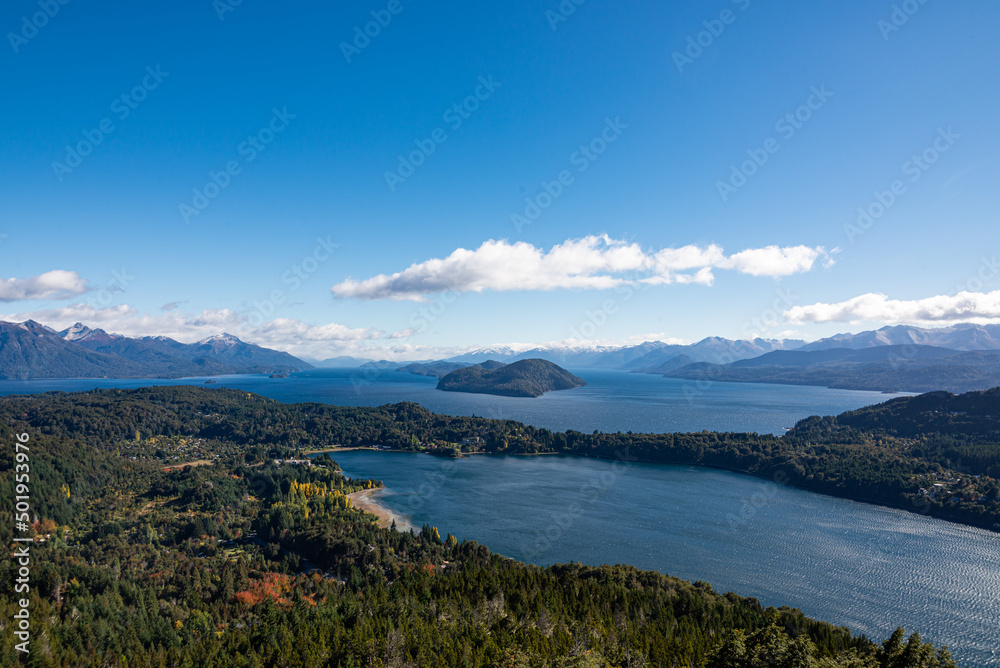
(174, 532)
(856, 455)
(882, 369)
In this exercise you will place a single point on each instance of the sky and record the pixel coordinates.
(406, 179)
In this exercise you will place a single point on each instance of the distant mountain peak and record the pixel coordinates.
(35, 327)
(963, 337)
(75, 332)
(80, 332)
(225, 338)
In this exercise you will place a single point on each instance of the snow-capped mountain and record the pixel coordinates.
(644, 355)
(964, 337)
(32, 350)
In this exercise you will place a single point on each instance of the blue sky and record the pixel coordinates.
(200, 78)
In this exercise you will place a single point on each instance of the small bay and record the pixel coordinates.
(852, 564)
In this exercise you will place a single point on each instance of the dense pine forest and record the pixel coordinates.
(179, 527)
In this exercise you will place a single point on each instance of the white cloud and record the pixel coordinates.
(283, 330)
(688, 257)
(774, 261)
(872, 307)
(403, 334)
(593, 262)
(703, 276)
(73, 313)
(51, 285)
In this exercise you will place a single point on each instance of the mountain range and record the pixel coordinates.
(957, 358)
(30, 350)
(890, 368)
(716, 350)
(964, 337)
(643, 356)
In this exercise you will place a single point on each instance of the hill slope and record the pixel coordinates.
(902, 368)
(974, 416)
(32, 350)
(248, 562)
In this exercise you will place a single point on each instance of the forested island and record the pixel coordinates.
(525, 378)
(180, 526)
(443, 367)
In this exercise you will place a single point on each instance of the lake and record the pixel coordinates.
(612, 401)
(852, 564)
(866, 567)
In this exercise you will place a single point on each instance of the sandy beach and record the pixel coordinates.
(366, 500)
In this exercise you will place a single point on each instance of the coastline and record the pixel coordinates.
(857, 498)
(366, 500)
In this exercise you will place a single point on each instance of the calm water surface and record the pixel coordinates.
(852, 564)
(612, 401)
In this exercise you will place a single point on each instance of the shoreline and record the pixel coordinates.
(856, 499)
(348, 448)
(363, 500)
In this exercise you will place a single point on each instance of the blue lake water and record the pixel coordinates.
(866, 567)
(612, 401)
(857, 565)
